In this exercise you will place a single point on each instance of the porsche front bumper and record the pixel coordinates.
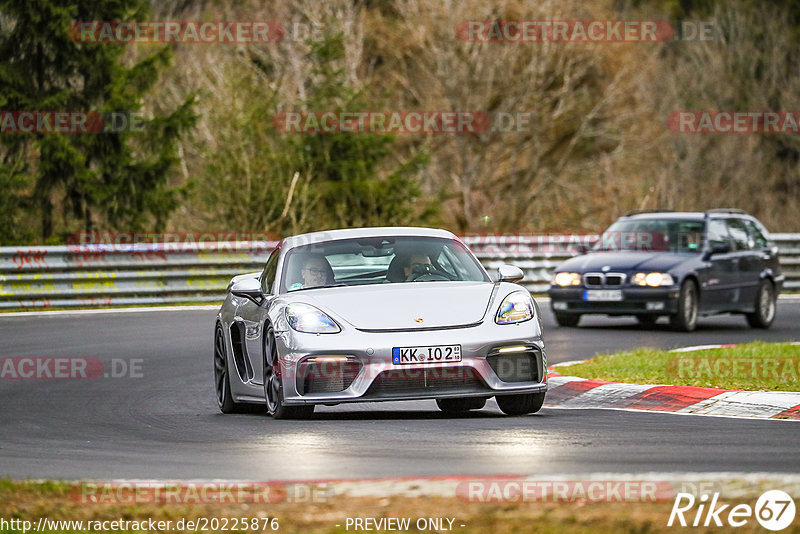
(358, 367)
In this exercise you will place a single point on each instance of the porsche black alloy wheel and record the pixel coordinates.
(273, 386)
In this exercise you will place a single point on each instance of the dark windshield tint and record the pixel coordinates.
(377, 261)
(653, 235)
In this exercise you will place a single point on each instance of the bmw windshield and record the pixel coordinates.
(653, 235)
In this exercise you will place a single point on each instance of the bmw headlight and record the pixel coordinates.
(307, 318)
(652, 279)
(566, 279)
(515, 308)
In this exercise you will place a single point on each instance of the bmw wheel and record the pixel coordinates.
(520, 404)
(273, 385)
(764, 313)
(222, 380)
(685, 319)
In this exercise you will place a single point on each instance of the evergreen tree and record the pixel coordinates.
(95, 181)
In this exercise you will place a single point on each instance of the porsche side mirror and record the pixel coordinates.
(249, 288)
(509, 273)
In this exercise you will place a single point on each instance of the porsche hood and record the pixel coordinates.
(406, 306)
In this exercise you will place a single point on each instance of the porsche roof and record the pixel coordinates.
(349, 233)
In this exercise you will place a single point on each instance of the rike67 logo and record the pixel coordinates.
(774, 510)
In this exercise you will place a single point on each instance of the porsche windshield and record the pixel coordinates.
(379, 260)
(653, 235)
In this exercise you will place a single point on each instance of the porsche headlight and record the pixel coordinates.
(307, 318)
(515, 308)
(652, 279)
(566, 279)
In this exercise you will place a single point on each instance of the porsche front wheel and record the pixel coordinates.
(273, 385)
(520, 404)
(460, 405)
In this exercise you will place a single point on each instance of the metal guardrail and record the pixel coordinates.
(102, 275)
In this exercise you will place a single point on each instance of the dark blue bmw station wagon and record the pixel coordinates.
(650, 264)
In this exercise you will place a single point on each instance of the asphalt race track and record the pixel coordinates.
(164, 424)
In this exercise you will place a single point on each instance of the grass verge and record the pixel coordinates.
(56, 501)
(752, 366)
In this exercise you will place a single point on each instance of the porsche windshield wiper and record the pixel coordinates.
(319, 287)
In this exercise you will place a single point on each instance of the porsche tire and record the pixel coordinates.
(460, 405)
(520, 404)
(273, 385)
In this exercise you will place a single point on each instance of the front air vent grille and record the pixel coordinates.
(424, 381)
(516, 367)
(594, 280)
(321, 376)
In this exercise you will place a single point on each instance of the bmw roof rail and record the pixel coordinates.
(735, 211)
(639, 212)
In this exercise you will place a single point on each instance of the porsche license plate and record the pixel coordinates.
(608, 295)
(424, 355)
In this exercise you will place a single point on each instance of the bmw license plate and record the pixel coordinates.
(424, 355)
(613, 295)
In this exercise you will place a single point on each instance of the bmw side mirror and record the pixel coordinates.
(249, 288)
(582, 248)
(509, 273)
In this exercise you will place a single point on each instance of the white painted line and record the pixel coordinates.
(702, 347)
(720, 346)
(638, 410)
(47, 313)
(571, 362)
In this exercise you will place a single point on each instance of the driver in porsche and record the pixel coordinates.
(418, 265)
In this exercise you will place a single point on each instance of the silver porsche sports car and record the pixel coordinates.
(378, 314)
